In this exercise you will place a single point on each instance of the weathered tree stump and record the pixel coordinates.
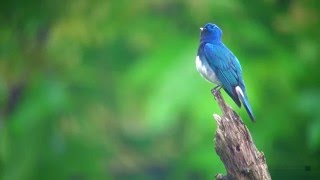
(235, 147)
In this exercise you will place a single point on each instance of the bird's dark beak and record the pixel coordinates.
(201, 29)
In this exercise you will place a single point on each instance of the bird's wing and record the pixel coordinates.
(227, 68)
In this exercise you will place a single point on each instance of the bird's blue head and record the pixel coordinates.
(210, 33)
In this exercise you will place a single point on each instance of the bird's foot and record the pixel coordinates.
(215, 90)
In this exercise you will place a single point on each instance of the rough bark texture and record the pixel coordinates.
(234, 145)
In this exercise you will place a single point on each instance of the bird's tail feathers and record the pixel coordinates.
(245, 102)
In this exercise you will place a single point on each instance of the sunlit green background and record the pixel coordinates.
(109, 89)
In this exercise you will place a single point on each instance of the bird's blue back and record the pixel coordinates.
(225, 65)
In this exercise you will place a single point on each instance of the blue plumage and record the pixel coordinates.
(217, 64)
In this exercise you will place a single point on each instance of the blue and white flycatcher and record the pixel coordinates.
(220, 66)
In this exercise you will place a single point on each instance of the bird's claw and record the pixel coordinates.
(215, 90)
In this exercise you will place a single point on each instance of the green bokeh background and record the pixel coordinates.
(109, 89)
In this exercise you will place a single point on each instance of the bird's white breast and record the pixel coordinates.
(206, 71)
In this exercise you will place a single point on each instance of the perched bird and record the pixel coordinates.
(220, 66)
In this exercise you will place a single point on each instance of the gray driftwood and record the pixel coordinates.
(235, 147)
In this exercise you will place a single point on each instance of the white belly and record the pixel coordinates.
(206, 71)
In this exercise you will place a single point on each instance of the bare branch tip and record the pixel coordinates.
(217, 117)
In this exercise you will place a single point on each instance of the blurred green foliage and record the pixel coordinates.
(109, 90)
